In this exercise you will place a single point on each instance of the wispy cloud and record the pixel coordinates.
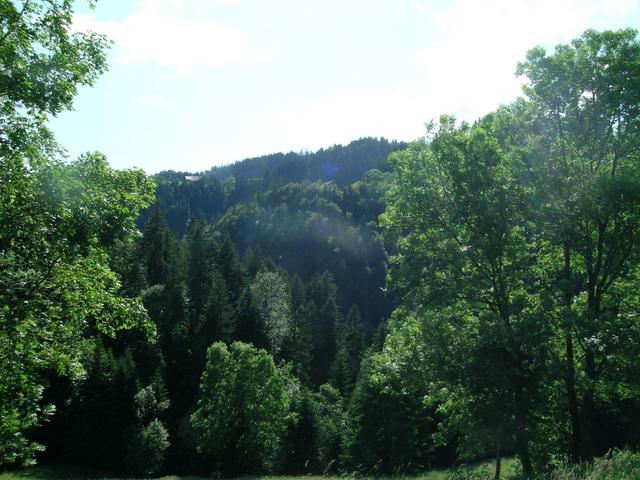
(162, 32)
(400, 14)
(330, 86)
(469, 67)
(226, 3)
(328, 120)
(154, 101)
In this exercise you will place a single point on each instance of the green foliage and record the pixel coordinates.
(305, 228)
(331, 423)
(231, 269)
(512, 235)
(586, 105)
(148, 447)
(148, 403)
(272, 298)
(200, 265)
(242, 411)
(322, 305)
(466, 265)
(250, 328)
(55, 282)
(100, 409)
(513, 256)
(156, 248)
(300, 450)
(43, 63)
(615, 465)
(390, 424)
(349, 351)
(57, 219)
(341, 164)
(298, 343)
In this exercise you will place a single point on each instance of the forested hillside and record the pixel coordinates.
(325, 220)
(207, 195)
(368, 309)
(296, 268)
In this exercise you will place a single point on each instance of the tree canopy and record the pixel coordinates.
(58, 220)
(242, 410)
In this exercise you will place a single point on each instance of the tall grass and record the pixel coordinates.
(617, 465)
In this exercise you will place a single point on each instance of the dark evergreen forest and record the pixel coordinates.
(294, 267)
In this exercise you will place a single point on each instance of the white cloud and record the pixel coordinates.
(308, 125)
(400, 15)
(161, 32)
(465, 66)
(469, 68)
(618, 8)
(329, 120)
(155, 101)
(419, 9)
(226, 3)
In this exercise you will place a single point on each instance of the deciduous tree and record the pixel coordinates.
(242, 410)
(587, 100)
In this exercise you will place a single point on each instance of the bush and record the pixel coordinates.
(148, 449)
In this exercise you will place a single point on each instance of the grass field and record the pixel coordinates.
(67, 472)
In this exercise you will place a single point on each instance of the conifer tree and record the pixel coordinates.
(156, 248)
(349, 351)
(231, 268)
(298, 344)
(200, 266)
(325, 340)
(101, 409)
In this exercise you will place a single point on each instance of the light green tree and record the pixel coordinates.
(466, 266)
(242, 411)
(55, 282)
(57, 220)
(148, 447)
(272, 299)
(43, 63)
(585, 100)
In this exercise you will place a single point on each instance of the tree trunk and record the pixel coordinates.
(498, 457)
(593, 311)
(522, 439)
(524, 456)
(574, 415)
(570, 379)
(587, 406)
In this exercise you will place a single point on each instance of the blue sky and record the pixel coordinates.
(198, 83)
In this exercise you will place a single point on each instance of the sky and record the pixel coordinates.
(198, 83)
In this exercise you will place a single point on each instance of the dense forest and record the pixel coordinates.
(373, 308)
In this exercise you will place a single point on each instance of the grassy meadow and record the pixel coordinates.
(510, 468)
(618, 465)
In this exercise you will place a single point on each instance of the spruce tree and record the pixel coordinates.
(231, 269)
(298, 344)
(325, 341)
(249, 326)
(156, 248)
(200, 266)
